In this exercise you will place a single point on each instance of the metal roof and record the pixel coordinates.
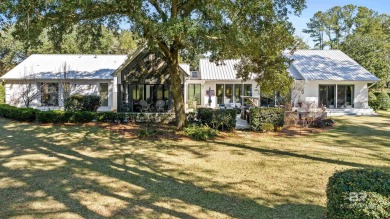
(223, 70)
(326, 65)
(53, 66)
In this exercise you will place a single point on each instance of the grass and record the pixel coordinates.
(91, 172)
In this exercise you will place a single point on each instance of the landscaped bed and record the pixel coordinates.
(105, 170)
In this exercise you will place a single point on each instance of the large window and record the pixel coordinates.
(247, 90)
(228, 93)
(341, 96)
(220, 92)
(49, 94)
(104, 94)
(345, 95)
(194, 93)
(237, 93)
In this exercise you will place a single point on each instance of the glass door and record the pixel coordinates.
(238, 93)
(327, 96)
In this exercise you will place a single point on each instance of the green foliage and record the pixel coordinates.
(361, 33)
(266, 127)
(373, 101)
(74, 102)
(260, 116)
(146, 132)
(2, 93)
(224, 119)
(359, 193)
(59, 116)
(91, 103)
(52, 116)
(20, 114)
(82, 103)
(383, 100)
(202, 132)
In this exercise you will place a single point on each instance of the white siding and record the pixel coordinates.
(213, 85)
(84, 87)
(311, 91)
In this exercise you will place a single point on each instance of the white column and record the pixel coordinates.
(115, 94)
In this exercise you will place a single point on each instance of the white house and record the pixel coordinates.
(331, 79)
(322, 77)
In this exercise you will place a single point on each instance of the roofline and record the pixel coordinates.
(133, 56)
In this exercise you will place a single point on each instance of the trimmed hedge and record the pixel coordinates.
(224, 119)
(82, 103)
(259, 117)
(20, 114)
(383, 99)
(359, 193)
(58, 116)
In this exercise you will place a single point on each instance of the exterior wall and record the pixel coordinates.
(15, 89)
(212, 84)
(311, 91)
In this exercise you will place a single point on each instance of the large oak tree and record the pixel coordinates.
(256, 31)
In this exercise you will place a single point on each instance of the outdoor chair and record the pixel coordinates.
(160, 106)
(145, 107)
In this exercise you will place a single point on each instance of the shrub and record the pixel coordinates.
(82, 103)
(359, 193)
(146, 132)
(266, 127)
(91, 103)
(74, 103)
(202, 132)
(80, 116)
(384, 101)
(259, 116)
(58, 116)
(20, 114)
(224, 119)
(52, 116)
(205, 115)
(373, 101)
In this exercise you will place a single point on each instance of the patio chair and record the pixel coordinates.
(160, 105)
(145, 107)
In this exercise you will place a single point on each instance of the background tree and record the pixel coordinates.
(361, 33)
(171, 27)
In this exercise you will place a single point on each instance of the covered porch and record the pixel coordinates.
(143, 84)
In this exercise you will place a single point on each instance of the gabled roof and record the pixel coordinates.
(140, 53)
(225, 70)
(76, 67)
(326, 65)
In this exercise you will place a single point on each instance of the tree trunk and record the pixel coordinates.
(176, 88)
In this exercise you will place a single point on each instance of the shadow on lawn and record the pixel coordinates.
(62, 182)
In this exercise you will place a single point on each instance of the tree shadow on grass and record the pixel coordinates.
(62, 182)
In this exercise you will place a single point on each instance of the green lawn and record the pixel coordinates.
(91, 172)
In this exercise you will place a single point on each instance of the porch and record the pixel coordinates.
(143, 84)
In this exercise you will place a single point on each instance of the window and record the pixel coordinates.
(194, 74)
(220, 92)
(327, 96)
(194, 93)
(49, 94)
(228, 93)
(237, 93)
(66, 87)
(248, 90)
(104, 94)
